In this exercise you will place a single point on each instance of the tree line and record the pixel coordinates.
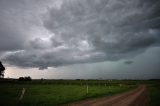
(2, 68)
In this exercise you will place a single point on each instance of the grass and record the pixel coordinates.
(9, 94)
(154, 93)
(53, 94)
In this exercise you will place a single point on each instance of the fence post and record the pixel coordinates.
(87, 88)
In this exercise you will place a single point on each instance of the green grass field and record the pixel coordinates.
(59, 92)
(53, 94)
(154, 93)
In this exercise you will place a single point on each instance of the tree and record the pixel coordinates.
(2, 68)
(21, 79)
(25, 78)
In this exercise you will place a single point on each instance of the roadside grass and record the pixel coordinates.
(52, 94)
(154, 93)
(9, 94)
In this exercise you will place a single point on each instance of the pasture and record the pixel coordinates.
(59, 92)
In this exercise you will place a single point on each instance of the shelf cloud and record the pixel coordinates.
(42, 34)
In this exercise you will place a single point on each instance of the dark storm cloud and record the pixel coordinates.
(128, 62)
(14, 24)
(8, 41)
(79, 31)
(10, 36)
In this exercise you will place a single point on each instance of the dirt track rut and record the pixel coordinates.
(136, 97)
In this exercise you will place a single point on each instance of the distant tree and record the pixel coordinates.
(2, 68)
(21, 79)
(25, 78)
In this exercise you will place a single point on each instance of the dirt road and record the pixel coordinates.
(136, 97)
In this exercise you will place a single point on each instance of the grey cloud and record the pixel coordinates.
(128, 62)
(85, 31)
(16, 20)
(10, 38)
(117, 27)
(37, 59)
(56, 42)
(39, 43)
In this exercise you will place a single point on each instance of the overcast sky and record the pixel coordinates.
(115, 39)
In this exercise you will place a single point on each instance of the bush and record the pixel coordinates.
(25, 78)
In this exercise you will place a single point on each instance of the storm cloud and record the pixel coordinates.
(128, 62)
(42, 34)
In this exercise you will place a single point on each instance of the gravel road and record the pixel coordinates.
(136, 97)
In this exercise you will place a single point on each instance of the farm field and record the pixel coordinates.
(154, 93)
(59, 92)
